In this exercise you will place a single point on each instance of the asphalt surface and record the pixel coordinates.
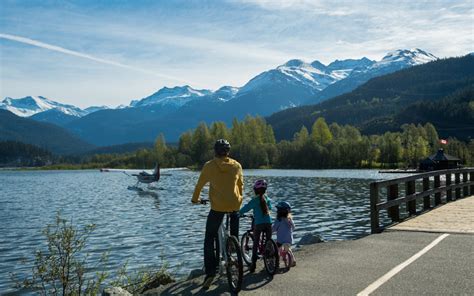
(348, 267)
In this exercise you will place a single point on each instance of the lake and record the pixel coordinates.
(144, 228)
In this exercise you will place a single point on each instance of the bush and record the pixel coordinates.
(60, 269)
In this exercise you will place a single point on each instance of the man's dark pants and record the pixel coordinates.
(211, 254)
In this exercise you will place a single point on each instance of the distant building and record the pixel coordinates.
(439, 161)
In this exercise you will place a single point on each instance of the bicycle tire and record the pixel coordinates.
(246, 246)
(234, 264)
(271, 257)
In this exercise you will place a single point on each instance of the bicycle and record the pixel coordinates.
(267, 248)
(231, 254)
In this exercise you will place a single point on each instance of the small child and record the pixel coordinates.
(261, 206)
(284, 227)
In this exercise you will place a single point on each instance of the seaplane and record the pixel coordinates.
(146, 178)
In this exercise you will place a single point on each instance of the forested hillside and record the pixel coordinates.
(384, 103)
(45, 135)
(20, 154)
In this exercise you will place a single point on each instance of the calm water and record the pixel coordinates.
(143, 228)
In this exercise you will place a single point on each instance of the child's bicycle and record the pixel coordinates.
(231, 254)
(267, 248)
(287, 255)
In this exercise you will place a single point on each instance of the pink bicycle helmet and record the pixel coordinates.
(260, 184)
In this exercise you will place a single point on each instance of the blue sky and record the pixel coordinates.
(110, 52)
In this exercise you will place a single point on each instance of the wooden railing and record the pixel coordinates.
(435, 188)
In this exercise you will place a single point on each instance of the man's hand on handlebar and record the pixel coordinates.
(200, 201)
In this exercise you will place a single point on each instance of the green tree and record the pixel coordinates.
(202, 144)
(186, 143)
(160, 150)
(219, 130)
(320, 133)
(432, 136)
(301, 138)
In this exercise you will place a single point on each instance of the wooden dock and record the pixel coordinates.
(454, 217)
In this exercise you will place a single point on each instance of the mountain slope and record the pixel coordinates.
(392, 62)
(381, 98)
(44, 135)
(54, 116)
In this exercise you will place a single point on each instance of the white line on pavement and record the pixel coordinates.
(375, 285)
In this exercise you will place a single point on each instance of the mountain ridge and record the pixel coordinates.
(380, 101)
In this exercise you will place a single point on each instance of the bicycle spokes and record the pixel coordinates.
(234, 264)
(271, 256)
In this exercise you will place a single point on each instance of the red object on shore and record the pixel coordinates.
(443, 141)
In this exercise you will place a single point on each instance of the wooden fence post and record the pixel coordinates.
(437, 184)
(471, 178)
(457, 181)
(374, 212)
(465, 189)
(426, 199)
(449, 191)
(394, 211)
(409, 190)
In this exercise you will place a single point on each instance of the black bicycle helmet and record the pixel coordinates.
(284, 206)
(222, 147)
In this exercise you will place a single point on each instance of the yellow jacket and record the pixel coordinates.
(226, 184)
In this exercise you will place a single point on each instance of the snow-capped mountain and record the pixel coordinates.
(391, 62)
(315, 76)
(177, 109)
(225, 93)
(31, 105)
(173, 97)
(403, 58)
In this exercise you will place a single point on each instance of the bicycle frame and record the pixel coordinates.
(251, 231)
(222, 235)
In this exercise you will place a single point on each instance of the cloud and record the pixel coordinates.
(86, 56)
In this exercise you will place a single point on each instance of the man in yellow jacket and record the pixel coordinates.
(226, 183)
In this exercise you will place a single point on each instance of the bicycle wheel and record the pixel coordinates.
(246, 245)
(271, 257)
(234, 264)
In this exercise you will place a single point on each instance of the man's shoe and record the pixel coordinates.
(252, 267)
(207, 281)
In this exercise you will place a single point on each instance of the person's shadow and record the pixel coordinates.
(251, 281)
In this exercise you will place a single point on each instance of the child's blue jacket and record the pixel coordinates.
(254, 204)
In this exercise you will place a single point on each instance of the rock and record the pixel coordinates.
(195, 273)
(115, 291)
(309, 239)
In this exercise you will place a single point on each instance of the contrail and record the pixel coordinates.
(85, 56)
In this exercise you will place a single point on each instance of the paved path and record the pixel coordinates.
(390, 263)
